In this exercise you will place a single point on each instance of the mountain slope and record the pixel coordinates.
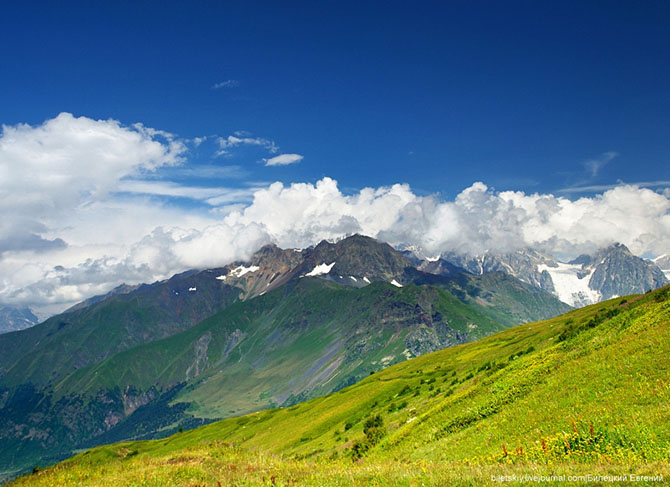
(583, 393)
(283, 327)
(307, 338)
(131, 315)
(87, 335)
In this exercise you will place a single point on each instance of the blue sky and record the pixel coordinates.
(520, 95)
(140, 139)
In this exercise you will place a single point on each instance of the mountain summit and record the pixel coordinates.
(609, 272)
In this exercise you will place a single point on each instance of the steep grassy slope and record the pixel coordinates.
(87, 335)
(305, 339)
(583, 393)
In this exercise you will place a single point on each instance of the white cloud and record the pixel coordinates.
(70, 161)
(199, 140)
(229, 83)
(283, 159)
(301, 214)
(213, 196)
(226, 143)
(597, 163)
(80, 216)
(597, 188)
(477, 220)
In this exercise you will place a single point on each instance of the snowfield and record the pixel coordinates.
(569, 287)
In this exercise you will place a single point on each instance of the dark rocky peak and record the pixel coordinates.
(265, 270)
(617, 272)
(355, 260)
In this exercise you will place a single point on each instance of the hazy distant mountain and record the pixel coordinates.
(523, 264)
(13, 319)
(609, 272)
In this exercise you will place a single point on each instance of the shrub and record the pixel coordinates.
(374, 431)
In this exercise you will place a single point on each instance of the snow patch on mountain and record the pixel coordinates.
(241, 270)
(396, 283)
(320, 269)
(571, 284)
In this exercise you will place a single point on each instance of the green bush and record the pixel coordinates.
(374, 431)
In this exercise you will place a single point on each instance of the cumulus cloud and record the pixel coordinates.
(70, 161)
(302, 214)
(283, 159)
(478, 219)
(57, 185)
(80, 215)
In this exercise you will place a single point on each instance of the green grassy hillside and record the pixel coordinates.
(586, 393)
(296, 342)
(44, 354)
(305, 339)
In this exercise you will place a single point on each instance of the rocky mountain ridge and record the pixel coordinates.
(607, 273)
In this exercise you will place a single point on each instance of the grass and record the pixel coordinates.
(575, 395)
(215, 464)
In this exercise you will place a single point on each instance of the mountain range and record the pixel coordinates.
(609, 272)
(281, 328)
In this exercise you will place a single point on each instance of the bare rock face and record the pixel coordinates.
(617, 272)
(524, 264)
(355, 261)
(610, 272)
